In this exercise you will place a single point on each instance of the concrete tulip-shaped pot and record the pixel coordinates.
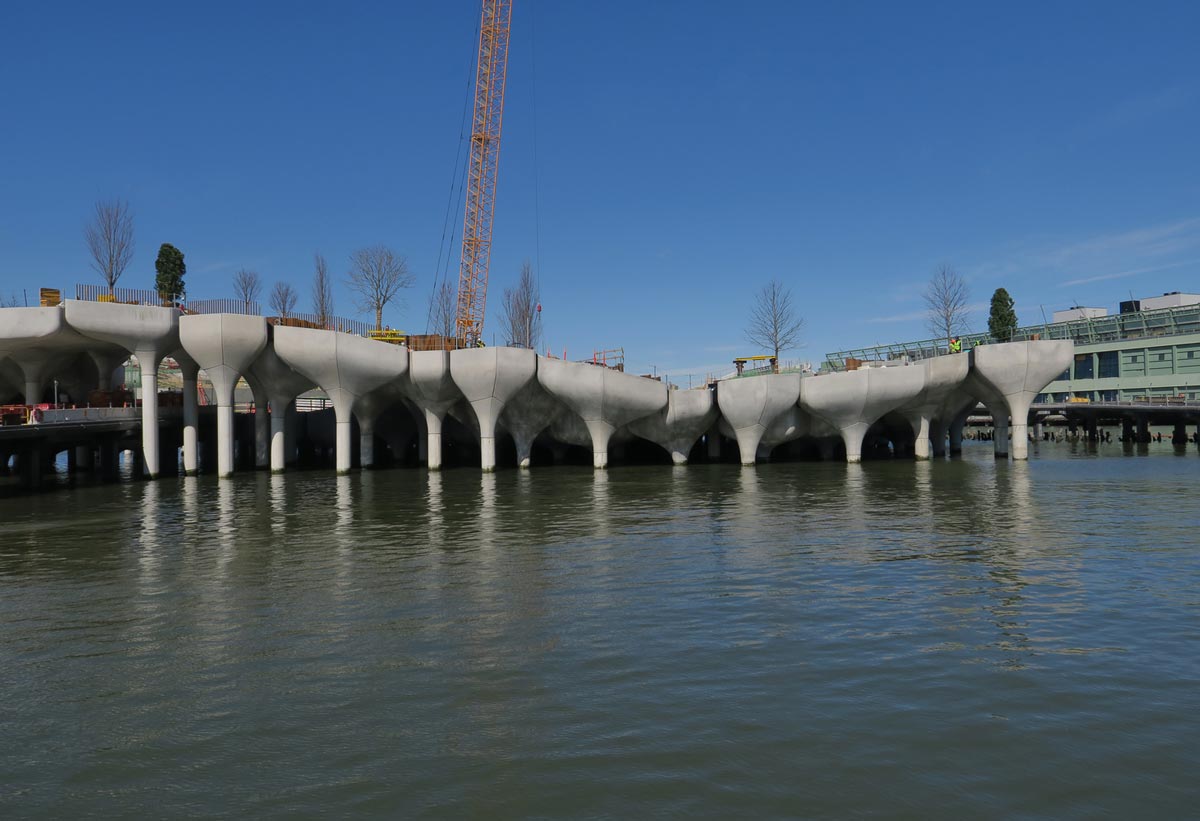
(527, 414)
(224, 346)
(679, 425)
(346, 367)
(1016, 372)
(282, 385)
(605, 399)
(854, 400)
(431, 389)
(751, 404)
(943, 375)
(149, 333)
(488, 378)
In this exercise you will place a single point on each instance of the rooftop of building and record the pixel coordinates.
(1136, 319)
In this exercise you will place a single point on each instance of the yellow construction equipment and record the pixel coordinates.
(389, 336)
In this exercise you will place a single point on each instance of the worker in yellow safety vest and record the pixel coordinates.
(955, 345)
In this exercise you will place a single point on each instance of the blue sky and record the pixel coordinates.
(660, 161)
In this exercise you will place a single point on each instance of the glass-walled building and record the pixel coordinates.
(1149, 350)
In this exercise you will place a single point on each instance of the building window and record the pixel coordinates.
(1162, 357)
(1109, 364)
(1084, 366)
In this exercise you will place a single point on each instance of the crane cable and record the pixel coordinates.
(537, 216)
(454, 198)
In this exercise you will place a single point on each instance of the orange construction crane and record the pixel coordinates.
(490, 69)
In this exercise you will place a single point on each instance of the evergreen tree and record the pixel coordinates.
(1002, 321)
(168, 280)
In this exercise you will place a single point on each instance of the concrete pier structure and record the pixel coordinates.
(906, 409)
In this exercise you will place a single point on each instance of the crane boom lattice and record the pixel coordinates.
(490, 70)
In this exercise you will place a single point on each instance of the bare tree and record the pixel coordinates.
(520, 306)
(247, 286)
(377, 274)
(774, 323)
(443, 310)
(946, 298)
(10, 301)
(322, 292)
(109, 237)
(283, 299)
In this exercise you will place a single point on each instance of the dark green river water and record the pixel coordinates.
(964, 639)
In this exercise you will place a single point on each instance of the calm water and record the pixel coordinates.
(965, 639)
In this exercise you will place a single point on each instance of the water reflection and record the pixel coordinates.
(277, 500)
(150, 513)
(601, 519)
(344, 506)
(226, 524)
(486, 520)
(434, 507)
(345, 539)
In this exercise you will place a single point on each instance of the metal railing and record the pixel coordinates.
(142, 296)
(329, 323)
(127, 296)
(222, 306)
(1163, 322)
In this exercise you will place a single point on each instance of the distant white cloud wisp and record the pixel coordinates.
(1134, 272)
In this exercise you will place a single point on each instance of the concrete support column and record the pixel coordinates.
(278, 435)
(33, 385)
(191, 420)
(343, 458)
(956, 432)
(1143, 430)
(262, 430)
(679, 456)
(524, 449)
(937, 438)
(487, 453)
(922, 448)
(366, 443)
(1000, 434)
(225, 439)
(1018, 408)
(1127, 434)
(601, 432)
(1037, 429)
(1179, 435)
(83, 459)
(852, 438)
(433, 446)
(148, 359)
